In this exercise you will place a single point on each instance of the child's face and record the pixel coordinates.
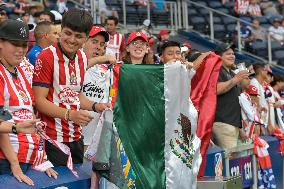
(254, 99)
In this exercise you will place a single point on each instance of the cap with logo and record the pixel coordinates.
(99, 30)
(14, 30)
(252, 90)
(223, 47)
(135, 35)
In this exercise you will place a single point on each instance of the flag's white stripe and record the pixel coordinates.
(177, 92)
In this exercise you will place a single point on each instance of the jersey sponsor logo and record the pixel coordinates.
(23, 114)
(94, 90)
(68, 96)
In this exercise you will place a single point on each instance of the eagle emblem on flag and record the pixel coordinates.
(181, 145)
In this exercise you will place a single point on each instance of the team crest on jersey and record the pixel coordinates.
(38, 66)
(68, 96)
(181, 145)
(23, 96)
(73, 79)
(22, 114)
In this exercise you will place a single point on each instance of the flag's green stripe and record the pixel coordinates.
(139, 115)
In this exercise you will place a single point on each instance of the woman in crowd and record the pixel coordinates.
(137, 50)
(16, 96)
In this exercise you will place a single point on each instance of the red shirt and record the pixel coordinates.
(64, 78)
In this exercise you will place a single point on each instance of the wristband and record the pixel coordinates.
(94, 107)
(14, 128)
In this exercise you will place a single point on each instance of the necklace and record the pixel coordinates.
(12, 74)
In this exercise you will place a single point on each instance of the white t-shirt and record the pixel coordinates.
(277, 33)
(96, 88)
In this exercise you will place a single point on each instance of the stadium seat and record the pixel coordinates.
(198, 23)
(215, 4)
(246, 18)
(224, 10)
(231, 28)
(229, 5)
(219, 31)
(228, 20)
(192, 12)
(216, 19)
(278, 55)
(204, 12)
(259, 48)
(275, 45)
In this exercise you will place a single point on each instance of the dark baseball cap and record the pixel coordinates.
(223, 47)
(14, 30)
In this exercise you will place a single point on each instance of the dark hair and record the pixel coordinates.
(192, 55)
(257, 68)
(51, 16)
(169, 44)
(42, 28)
(276, 78)
(115, 19)
(77, 20)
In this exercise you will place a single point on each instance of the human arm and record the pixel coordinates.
(223, 87)
(87, 104)
(25, 127)
(11, 156)
(46, 107)
(106, 59)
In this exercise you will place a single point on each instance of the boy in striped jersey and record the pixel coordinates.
(58, 78)
(19, 151)
(115, 45)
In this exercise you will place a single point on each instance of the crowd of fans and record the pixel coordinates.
(49, 75)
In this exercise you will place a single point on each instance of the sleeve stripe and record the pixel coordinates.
(38, 84)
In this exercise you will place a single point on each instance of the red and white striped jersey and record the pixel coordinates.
(64, 78)
(28, 69)
(254, 10)
(16, 96)
(241, 6)
(115, 45)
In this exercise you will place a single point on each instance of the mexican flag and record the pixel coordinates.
(156, 123)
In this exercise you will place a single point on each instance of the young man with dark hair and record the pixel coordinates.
(115, 45)
(58, 79)
(45, 35)
(46, 16)
(170, 50)
(260, 78)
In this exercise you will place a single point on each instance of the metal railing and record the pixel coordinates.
(239, 21)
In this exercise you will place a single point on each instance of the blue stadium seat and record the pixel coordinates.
(229, 5)
(198, 23)
(246, 18)
(224, 10)
(219, 31)
(231, 28)
(278, 55)
(275, 45)
(204, 12)
(259, 48)
(192, 12)
(216, 19)
(228, 20)
(215, 4)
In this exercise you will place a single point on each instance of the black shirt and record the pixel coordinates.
(228, 108)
